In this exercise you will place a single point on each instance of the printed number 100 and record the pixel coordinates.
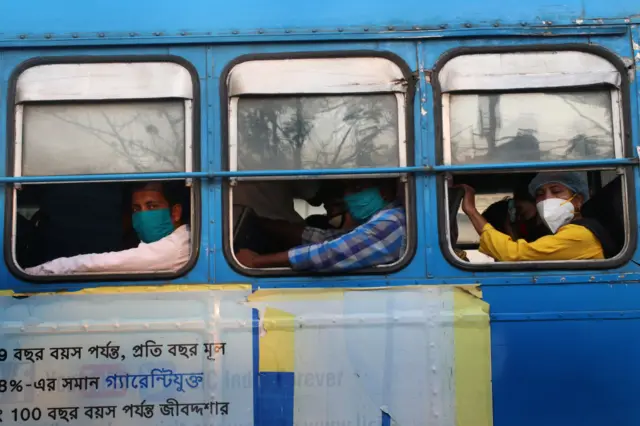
(26, 414)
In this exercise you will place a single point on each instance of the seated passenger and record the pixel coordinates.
(157, 220)
(331, 197)
(501, 215)
(529, 225)
(559, 197)
(379, 240)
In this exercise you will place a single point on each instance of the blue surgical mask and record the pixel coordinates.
(364, 204)
(152, 225)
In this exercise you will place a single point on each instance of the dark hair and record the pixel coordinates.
(173, 191)
(521, 191)
(497, 214)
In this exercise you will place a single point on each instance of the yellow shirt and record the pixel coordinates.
(571, 242)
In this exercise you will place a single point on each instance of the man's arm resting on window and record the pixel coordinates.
(163, 255)
(370, 244)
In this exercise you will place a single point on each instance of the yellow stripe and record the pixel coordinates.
(472, 336)
(277, 345)
(169, 288)
(287, 295)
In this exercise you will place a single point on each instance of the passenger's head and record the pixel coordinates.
(525, 204)
(500, 215)
(559, 197)
(366, 197)
(157, 209)
(561, 185)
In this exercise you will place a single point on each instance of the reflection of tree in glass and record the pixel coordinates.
(317, 132)
(149, 138)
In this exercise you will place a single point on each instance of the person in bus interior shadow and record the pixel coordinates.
(528, 224)
(317, 228)
(158, 221)
(559, 197)
(379, 238)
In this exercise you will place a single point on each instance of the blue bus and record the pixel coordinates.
(233, 106)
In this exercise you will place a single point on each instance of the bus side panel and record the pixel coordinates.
(408, 355)
(565, 355)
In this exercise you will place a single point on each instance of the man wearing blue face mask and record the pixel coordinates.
(379, 239)
(164, 239)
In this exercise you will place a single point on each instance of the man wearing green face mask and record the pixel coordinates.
(164, 240)
(379, 239)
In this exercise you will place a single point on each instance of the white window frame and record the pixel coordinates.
(319, 76)
(315, 76)
(104, 81)
(496, 72)
(534, 71)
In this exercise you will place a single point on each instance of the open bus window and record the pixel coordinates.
(315, 114)
(514, 108)
(102, 119)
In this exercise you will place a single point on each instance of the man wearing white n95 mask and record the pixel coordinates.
(559, 199)
(165, 240)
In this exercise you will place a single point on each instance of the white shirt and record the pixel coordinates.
(168, 254)
(274, 199)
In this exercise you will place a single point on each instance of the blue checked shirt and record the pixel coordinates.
(379, 241)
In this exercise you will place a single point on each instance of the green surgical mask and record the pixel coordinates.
(152, 225)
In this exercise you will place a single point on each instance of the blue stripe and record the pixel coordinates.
(255, 316)
(322, 172)
(276, 399)
(386, 418)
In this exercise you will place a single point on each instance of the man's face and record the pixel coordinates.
(152, 198)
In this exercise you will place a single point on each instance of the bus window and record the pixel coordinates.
(102, 119)
(314, 115)
(542, 107)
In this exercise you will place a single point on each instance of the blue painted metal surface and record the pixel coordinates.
(564, 343)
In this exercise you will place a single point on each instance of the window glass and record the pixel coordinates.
(312, 132)
(92, 138)
(520, 127)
